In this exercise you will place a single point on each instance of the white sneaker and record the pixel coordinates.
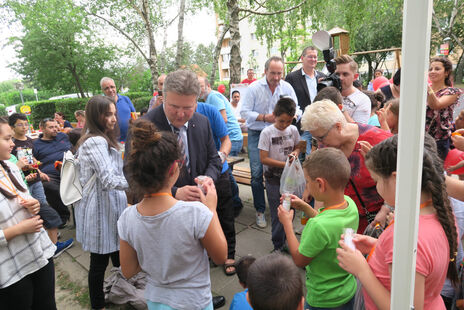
(260, 220)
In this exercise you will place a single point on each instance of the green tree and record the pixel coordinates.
(58, 49)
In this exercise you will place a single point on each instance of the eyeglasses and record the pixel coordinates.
(321, 138)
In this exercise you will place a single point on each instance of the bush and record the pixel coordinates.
(47, 108)
(136, 94)
(13, 97)
(141, 102)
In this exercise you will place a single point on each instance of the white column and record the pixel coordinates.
(416, 52)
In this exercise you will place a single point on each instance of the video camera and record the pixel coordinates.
(323, 41)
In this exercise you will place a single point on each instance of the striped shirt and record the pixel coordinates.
(101, 205)
(26, 253)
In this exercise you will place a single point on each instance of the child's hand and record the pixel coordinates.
(365, 147)
(458, 140)
(296, 202)
(362, 242)
(210, 199)
(30, 225)
(285, 217)
(22, 163)
(350, 260)
(31, 177)
(390, 218)
(32, 205)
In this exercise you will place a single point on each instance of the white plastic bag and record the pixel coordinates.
(292, 180)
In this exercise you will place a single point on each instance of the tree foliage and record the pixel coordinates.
(58, 49)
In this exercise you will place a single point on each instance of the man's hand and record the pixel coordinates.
(44, 177)
(159, 100)
(189, 193)
(270, 118)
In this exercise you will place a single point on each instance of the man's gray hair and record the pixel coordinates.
(182, 82)
(104, 79)
(273, 58)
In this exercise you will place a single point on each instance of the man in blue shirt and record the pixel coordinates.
(223, 105)
(257, 106)
(48, 148)
(225, 207)
(123, 105)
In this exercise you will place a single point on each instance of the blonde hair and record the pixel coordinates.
(322, 114)
(345, 59)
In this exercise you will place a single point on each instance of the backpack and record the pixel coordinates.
(70, 185)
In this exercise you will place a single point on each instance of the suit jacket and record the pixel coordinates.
(298, 82)
(203, 156)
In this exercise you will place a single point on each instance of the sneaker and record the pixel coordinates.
(62, 246)
(260, 220)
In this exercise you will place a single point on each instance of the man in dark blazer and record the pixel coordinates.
(177, 114)
(304, 82)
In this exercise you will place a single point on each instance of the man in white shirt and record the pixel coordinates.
(257, 106)
(355, 103)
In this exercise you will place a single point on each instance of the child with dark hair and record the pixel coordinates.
(274, 283)
(27, 274)
(376, 101)
(327, 172)
(23, 150)
(389, 116)
(242, 266)
(163, 236)
(330, 93)
(276, 144)
(437, 240)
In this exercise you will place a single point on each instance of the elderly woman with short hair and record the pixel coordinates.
(327, 124)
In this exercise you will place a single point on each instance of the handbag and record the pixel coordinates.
(369, 216)
(70, 185)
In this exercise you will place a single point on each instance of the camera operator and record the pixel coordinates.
(355, 103)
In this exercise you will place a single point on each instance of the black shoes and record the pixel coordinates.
(218, 301)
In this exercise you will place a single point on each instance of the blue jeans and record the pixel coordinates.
(236, 147)
(306, 136)
(48, 214)
(348, 306)
(256, 167)
(273, 198)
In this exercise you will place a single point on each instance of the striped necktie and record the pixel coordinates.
(185, 158)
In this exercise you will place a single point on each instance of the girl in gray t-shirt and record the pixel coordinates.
(167, 238)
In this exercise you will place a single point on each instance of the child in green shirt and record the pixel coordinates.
(327, 171)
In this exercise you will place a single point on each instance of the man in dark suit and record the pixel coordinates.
(177, 114)
(304, 82)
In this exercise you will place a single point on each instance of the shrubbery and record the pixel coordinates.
(47, 108)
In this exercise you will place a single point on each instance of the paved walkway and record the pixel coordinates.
(250, 240)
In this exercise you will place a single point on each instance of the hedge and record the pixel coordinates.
(47, 108)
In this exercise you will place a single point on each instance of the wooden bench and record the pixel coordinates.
(242, 175)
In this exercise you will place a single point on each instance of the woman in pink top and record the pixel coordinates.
(436, 242)
(80, 117)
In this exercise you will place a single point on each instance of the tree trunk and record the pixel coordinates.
(72, 69)
(180, 38)
(459, 72)
(235, 62)
(153, 57)
(217, 52)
